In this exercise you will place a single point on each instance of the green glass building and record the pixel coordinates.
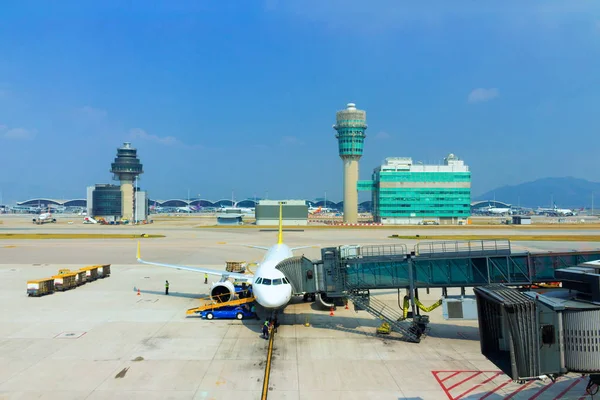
(405, 193)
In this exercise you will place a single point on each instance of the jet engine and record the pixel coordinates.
(222, 291)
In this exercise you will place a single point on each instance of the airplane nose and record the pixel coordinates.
(273, 297)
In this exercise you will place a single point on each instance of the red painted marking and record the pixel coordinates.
(465, 380)
(518, 390)
(450, 376)
(478, 385)
(441, 384)
(542, 390)
(568, 388)
(488, 394)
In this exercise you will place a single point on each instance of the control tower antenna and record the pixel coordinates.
(126, 169)
(350, 126)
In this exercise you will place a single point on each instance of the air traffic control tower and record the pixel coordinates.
(350, 126)
(126, 169)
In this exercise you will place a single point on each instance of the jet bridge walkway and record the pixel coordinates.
(350, 272)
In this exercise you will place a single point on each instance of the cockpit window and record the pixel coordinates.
(285, 280)
(258, 281)
(266, 281)
(277, 281)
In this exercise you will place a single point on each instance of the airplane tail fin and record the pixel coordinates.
(280, 237)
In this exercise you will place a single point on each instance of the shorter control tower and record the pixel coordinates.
(350, 126)
(126, 169)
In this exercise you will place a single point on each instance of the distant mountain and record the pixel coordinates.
(565, 192)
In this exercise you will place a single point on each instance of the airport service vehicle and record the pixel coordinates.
(270, 287)
(236, 312)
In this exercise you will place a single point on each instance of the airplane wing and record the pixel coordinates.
(235, 275)
(256, 247)
(305, 247)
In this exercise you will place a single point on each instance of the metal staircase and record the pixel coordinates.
(410, 331)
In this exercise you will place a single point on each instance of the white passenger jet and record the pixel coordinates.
(44, 218)
(270, 287)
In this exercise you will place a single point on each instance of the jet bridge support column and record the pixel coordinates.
(411, 283)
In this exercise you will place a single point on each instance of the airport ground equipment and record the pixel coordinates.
(235, 266)
(544, 332)
(40, 287)
(104, 271)
(80, 276)
(91, 273)
(213, 305)
(351, 272)
(65, 281)
(384, 329)
(237, 312)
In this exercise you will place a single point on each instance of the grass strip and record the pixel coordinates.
(77, 236)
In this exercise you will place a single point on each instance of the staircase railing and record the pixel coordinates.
(409, 331)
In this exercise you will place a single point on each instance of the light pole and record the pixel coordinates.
(135, 201)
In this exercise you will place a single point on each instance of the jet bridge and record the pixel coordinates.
(350, 272)
(545, 332)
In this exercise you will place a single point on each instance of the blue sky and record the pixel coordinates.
(235, 95)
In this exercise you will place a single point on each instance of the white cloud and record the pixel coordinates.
(383, 136)
(137, 133)
(91, 112)
(20, 134)
(480, 95)
(291, 141)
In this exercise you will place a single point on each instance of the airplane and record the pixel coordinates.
(497, 210)
(564, 211)
(555, 211)
(270, 287)
(319, 210)
(44, 217)
(243, 210)
(315, 210)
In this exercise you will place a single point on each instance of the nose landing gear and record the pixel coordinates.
(309, 297)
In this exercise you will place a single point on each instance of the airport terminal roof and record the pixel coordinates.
(58, 202)
(485, 203)
(246, 203)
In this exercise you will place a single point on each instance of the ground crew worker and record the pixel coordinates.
(271, 325)
(167, 288)
(205, 278)
(253, 310)
(265, 329)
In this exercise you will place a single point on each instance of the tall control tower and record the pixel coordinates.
(126, 169)
(350, 126)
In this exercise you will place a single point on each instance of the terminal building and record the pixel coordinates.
(294, 212)
(404, 193)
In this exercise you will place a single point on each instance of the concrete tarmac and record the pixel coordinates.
(103, 341)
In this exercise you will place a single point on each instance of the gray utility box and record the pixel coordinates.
(459, 307)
